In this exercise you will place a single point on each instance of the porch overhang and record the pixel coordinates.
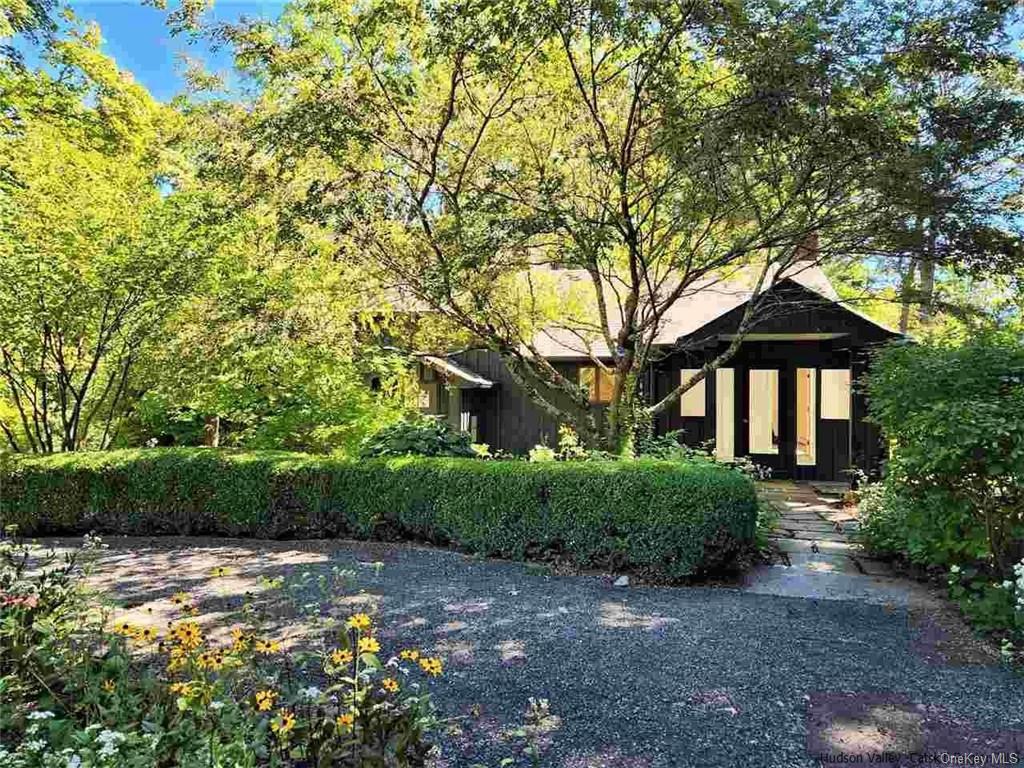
(782, 336)
(460, 376)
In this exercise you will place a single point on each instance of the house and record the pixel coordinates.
(786, 398)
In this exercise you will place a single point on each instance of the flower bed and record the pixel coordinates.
(84, 689)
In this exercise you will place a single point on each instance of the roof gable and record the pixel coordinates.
(702, 305)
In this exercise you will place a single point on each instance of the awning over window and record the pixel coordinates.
(458, 375)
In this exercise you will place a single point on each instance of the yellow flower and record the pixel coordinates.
(188, 635)
(185, 689)
(212, 660)
(341, 657)
(389, 684)
(267, 646)
(177, 659)
(109, 686)
(368, 645)
(181, 598)
(239, 642)
(219, 571)
(127, 629)
(147, 635)
(409, 655)
(360, 621)
(283, 723)
(431, 666)
(265, 700)
(346, 721)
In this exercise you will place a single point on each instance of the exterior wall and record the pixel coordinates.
(507, 419)
(839, 444)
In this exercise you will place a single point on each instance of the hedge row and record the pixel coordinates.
(663, 518)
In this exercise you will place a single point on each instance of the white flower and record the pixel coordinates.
(309, 693)
(215, 705)
(110, 740)
(954, 569)
(40, 715)
(1007, 585)
(74, 761)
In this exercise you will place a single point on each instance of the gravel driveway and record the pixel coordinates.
(642, 677)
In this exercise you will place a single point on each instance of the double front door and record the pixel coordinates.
(793, 419)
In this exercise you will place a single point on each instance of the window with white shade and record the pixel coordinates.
(763, 418)
(725, 414)
(835, 393)
(806, 417)
(693, 399)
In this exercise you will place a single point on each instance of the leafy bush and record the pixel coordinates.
(956, 420)
(89, 691)
(883, 528)
(668, 519)
(423, 436)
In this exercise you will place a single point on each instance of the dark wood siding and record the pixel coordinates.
(509, 420)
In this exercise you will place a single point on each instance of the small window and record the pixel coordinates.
(428, 397)
(598, 382)
(693, 399)
(835, 393)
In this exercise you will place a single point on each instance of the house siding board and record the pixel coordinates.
(508, 419)
(834, 438)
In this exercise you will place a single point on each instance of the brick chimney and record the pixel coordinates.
(808, 250)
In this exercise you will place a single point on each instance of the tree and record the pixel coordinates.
(101, 237)
(952, 178)
(657, 147)
(280, 348)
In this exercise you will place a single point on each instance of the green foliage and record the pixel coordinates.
(420, 436)
(884, 527)
(102, 235)
(996, 607)
(667, 519)
(81, 689)
(955, 419)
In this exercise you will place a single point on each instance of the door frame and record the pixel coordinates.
(782, 463)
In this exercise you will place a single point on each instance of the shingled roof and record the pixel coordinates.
(704, 302)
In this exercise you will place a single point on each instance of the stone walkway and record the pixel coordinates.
(819, 558)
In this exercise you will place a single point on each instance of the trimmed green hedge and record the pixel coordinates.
(663, 518)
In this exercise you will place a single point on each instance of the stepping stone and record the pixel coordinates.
(818, 536)
(789, 546)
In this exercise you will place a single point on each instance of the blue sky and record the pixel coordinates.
(137, 37)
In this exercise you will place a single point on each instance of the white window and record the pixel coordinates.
(764, 411)
(835, 393)
(806, 416)
(692, 401)
(725, 414)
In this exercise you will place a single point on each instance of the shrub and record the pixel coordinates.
(956, 420)
(424, 436)
(668, 519)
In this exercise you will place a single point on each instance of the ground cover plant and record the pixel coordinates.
(83, 688)
(666, 519)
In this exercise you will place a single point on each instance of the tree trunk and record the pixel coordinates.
(926, 290)
(906, 288)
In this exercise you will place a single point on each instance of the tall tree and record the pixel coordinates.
(100, 238)
(657, 147)
(952, 177)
